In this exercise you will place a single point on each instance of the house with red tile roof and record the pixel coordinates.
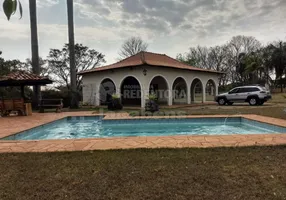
(138, 76)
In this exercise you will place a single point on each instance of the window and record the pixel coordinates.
(233, 91)
(254, 89)
(244, 90)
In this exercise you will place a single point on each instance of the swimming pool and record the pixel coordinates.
(95, 127)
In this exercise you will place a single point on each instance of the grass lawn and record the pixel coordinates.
(276, 111)
(219, 173)
(214, 173)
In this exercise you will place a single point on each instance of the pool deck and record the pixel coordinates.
(13, 125)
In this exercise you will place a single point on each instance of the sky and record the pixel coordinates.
(168, 26)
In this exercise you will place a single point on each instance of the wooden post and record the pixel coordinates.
(23, 91)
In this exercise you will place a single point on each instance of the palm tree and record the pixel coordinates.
(278, 60)
(254, 67)
(10, 7)
(74, 95)
(35, 47)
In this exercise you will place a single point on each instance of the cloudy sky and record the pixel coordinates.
(169, 26)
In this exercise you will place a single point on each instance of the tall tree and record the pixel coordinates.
(187, 59)
(132, 46)
(35, 47)
(278, 60)
(207, 58)
(10, 7)
(238, 48)
(44, 69)
(59, 63)
(73, 89)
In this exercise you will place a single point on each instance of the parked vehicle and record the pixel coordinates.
(254, 95)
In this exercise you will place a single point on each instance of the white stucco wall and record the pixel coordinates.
(92, 81)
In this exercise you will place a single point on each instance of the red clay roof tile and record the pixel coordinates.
(22, 75)
(148, 58)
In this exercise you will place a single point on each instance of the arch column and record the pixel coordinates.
(144, 95)
(97, 95)
(189, 94)
(204, 92)
(170, 97)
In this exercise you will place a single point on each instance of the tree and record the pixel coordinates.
(35, 47)
(73, 87)
(187, 59)
(7, 66)
(207, 58)
(277, 61)
(254, 70)
(238, 48)
(10, 7)
(132, 46)
(44, 69)
(59, 63)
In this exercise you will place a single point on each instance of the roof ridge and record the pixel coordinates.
(115, 62)
(155, 53)
(182, 62)
(143, 57)
(126, 58)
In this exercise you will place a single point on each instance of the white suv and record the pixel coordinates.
(254, 95)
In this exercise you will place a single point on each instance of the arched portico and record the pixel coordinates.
(130, 91)
(106, 89)
(180, 89)
(159, 86)
(210, 90)
(197, 91)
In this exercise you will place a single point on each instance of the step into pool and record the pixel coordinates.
(95, 127)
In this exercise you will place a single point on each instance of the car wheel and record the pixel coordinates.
(253, 101)
(221, 101)
(230, 103)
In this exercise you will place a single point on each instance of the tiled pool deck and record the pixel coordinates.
(13, 125)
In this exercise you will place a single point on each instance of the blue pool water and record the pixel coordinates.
(95, 127)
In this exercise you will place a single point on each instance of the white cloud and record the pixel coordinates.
(170, 26)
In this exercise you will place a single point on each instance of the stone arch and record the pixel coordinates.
(106, 89)
(210, 90)
(180, 88)
(197, 88)
(130, 91)
(159, 85)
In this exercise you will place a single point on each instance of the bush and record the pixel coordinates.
(151, 106)
(115, 103)
(53, 94)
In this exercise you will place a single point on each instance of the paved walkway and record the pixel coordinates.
(12, 125)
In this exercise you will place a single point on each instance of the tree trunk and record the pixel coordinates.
(281, 65)
(35, 48)
(73, 91)
(281, 84)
